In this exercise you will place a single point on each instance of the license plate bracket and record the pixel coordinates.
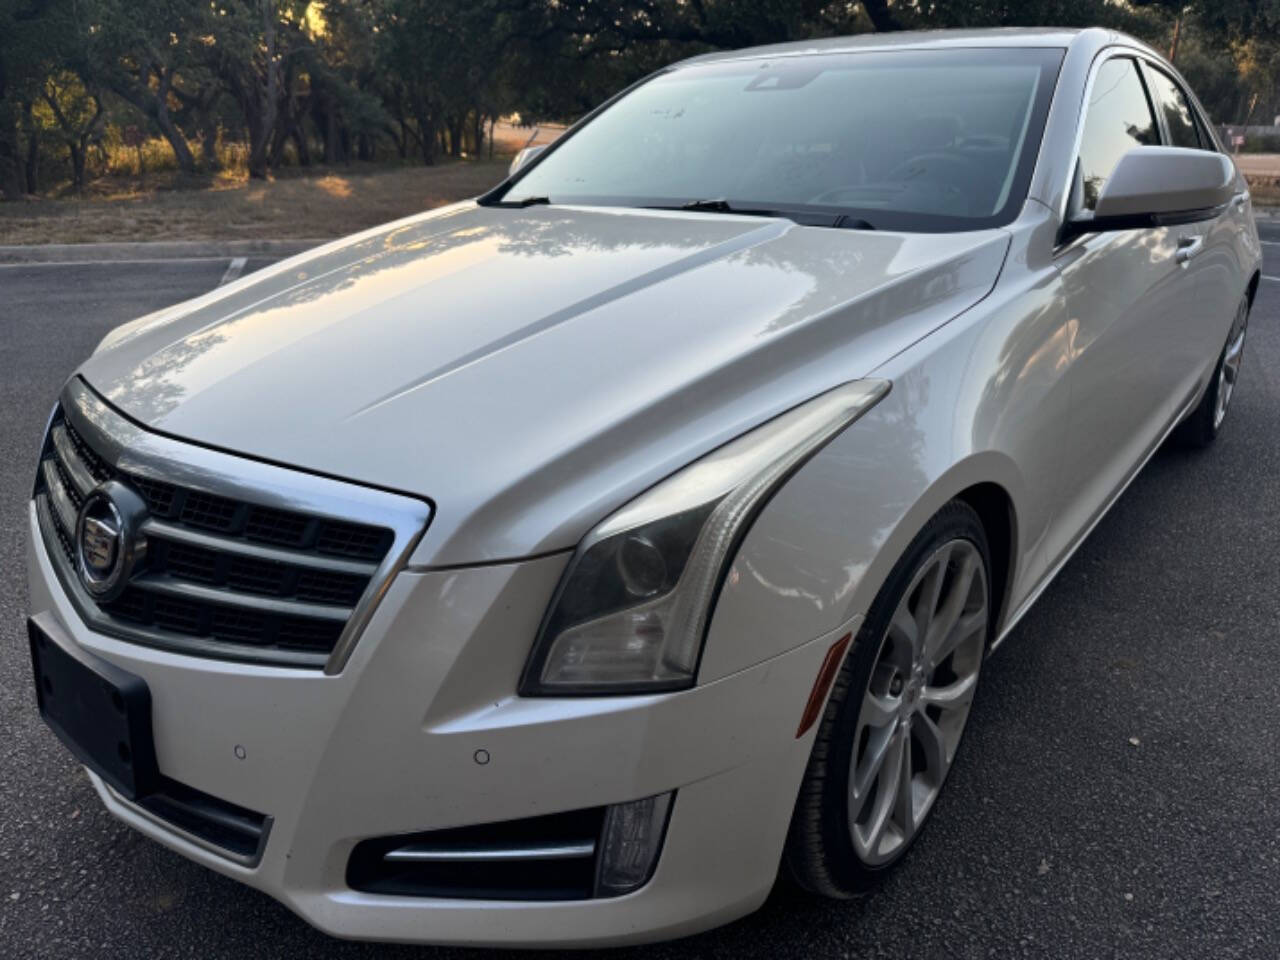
(99, 711)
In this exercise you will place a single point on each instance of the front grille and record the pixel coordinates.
(222, 576)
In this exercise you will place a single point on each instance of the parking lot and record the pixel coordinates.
(1118, 794)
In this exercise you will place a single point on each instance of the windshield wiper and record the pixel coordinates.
(810, 218)
(522, 202)
(846, 222)
(717, 205)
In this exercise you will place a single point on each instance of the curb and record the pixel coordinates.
(164, 250)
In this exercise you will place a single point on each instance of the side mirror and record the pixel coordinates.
(1156, 186)
(523, 157)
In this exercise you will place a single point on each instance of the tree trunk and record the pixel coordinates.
(10, 168)
(426, 135)
(300, 141)
(332, 136)
(275, 155)
(209, 143)
(31, 168)
(262, 120)
(77, 166)
(477, 133)
(186, 161)
(880, 16)
(258, 146)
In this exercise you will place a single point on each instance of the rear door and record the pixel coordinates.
(1128, 301)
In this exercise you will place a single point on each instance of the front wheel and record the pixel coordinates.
(1202, 425)
(897, 711)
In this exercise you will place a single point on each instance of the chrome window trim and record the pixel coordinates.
(132, 449)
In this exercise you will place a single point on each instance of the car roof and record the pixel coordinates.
(1062, 37)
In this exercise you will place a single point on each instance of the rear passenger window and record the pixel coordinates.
(1119, 118)
(1177, 111)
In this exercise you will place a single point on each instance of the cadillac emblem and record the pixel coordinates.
(109, 540)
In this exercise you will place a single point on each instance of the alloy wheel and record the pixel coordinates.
(1229, 368)
(917, 701)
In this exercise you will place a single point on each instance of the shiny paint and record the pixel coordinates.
(582, 344)
(531, 371)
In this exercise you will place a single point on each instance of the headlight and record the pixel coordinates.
(631, 610)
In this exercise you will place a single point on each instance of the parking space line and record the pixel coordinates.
(233, 271)
(1273, 279)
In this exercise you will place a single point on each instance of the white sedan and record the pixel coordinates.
(550, 568)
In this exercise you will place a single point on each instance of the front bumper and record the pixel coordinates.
(389, 746)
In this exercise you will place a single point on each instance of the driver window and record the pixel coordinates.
(1119, 118)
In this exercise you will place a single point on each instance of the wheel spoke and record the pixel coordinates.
(951, 610)
(964, 628)
(904, 627)
(933, 746)
(930, 592)
(877, 711)
(904, 803)
(886, 798)
(879, 745)
(956, 694)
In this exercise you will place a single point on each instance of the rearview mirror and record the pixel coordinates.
(523, 157)
(1157, 186)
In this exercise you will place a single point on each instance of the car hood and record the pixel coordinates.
(529, 370)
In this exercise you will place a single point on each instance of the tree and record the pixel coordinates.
(138, 49)
(28, 33)
(76, 114)
(254, 49)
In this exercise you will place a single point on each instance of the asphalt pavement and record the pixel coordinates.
(1118, 794)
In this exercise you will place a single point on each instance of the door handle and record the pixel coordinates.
(1240, 199)
(1188, 247)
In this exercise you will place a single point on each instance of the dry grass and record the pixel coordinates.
(306, 203)
(1266, 191)
(316, 204)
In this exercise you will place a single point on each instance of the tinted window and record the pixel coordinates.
(906, 140)
(1177, 112)
(1118, 119)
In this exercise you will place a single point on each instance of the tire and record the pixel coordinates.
(821, 853)
(1204, 423)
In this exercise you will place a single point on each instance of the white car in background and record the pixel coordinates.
(549, 568)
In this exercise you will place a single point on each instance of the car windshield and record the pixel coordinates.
(909, 140)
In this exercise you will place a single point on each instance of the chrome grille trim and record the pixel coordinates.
(80, 476)
(93, 441)
(245, 601)
(62, 504)
(420, 853)
(163, 530)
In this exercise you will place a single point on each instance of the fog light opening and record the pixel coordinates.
(630, 843)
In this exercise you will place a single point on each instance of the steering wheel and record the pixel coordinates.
(961, 166)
